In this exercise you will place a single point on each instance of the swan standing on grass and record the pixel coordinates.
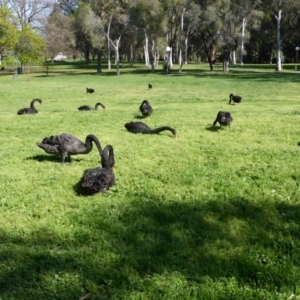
(223, 118)
(31, 109)
(90, 90)
(146, 109)
(66, 145)
(139, 127)
(234, 98)
(87, 107)
(100, 179)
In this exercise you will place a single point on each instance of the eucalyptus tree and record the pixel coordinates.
(112, 14)
(150, 18)
(91, 28)
(83, 43)
(229, 32)
(59, 33)
(285, 13)
(204, 25)
(175, 11)
(248, 15)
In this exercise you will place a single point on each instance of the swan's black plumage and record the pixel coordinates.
(224, 118)
(146, 109)
(100, 179)
(66, 145)
(139, 127)
(31, 109)
(235, 98)
(90, 91)
(87, 107)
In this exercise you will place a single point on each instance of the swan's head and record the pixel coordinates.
(174, 132)
(38, 100)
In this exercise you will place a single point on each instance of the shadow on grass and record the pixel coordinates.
(246, 72)
(115, 250)
(53, 158)
(139, 117)
(216, 128)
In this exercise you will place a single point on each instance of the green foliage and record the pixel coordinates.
(29, 46)
(8, 32)
(213, 214)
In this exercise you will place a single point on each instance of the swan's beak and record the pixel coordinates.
(175, 135)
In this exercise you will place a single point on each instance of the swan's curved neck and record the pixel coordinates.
(88, 143)
(108, 160)
(97, 104)
(160, 129)
(32, 102)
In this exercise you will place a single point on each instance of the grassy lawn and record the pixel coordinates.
(212, 214)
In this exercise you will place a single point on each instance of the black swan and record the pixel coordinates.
(100, 179)
(235, 98)
(139, 127)
(150, 86)
(223, 118)
(31, 109)
(87, 107)
(146, 109)
(67, 144)
(90, 91)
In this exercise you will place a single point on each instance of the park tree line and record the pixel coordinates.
(171, 31)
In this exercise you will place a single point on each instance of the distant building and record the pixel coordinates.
(60, 56)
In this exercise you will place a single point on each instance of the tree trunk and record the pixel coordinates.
(225, 65)
(131, 56)
(243, 40)
(207, 53)
(99, 57)
(186, 50)
(108, 44)
(146, 49)
(117, 56)
(87, 55)
(278, 41)
(181, 43)
(152, 56)
(233, 57)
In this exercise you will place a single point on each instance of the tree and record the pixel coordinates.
(8, 33)
(113, 14)
(32, 12)
(28, 47)
(285, 13)
(150, 19)
(204, 25)
(59, 33)
(90, 26)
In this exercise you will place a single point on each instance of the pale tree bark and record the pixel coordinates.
(233, 57)
(108, 44)
(244, 23)
(181, 43)
(278, 40)
(146, 49)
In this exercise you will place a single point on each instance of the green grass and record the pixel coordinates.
(213, 214)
